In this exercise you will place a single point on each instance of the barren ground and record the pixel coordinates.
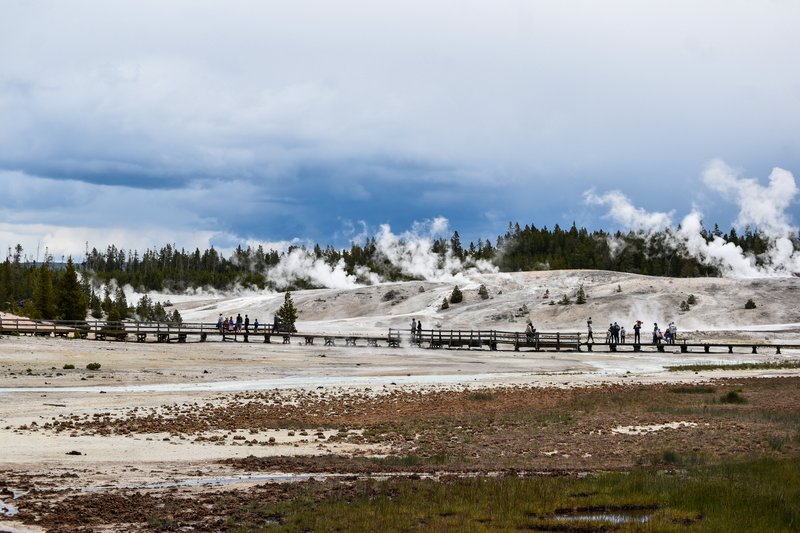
(196, 431)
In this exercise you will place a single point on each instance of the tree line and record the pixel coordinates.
(50, 290)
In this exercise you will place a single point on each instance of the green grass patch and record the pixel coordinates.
(68, 366)
(481, 396)
(93, 366)
(689, 389)
(775, 365)
(410, 460)
(733, 397)
(760, 495)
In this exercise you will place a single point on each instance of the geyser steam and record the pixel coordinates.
(763, 208)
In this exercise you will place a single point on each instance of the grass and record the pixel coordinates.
(481, 396)
(759, 495)
(93, 366)
(699, 389)
(733, 397)
(410, 460)
(738, 366)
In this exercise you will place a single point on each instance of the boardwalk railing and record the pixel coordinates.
(431, 338)
(441, 338)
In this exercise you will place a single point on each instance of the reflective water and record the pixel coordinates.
(616, 517)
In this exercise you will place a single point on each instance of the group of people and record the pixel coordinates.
(235, 326)
(615, 334)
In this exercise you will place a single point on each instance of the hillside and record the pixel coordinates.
(612, 296)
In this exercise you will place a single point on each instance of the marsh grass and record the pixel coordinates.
(698, 389)
(775, 365)
(411, 460)
(481, 396)
(733, 397)
(760, 495)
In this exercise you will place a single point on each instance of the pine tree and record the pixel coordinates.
(287, 313)
(483, 292)
(580, 298)
(70, 300)
(95, 305)
(121, 304)
(445, 305)
(456, 296)
(43, 294)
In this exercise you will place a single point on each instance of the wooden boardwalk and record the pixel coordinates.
(438, 338)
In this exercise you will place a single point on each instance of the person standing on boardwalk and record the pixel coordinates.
(413, 328)
(246, 324)
(220, 322)
(530, 332)
(238, 321)
(419, 330)
(656, 333)
(255, 326)
(637, 327)
(589, 337)
(622, 334)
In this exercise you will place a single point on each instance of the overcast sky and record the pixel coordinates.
(206, 123)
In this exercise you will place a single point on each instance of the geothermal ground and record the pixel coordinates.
(187, 436)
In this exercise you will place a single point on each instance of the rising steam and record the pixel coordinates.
(763, 208)
(412, 253)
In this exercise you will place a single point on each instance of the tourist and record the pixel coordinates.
(255, 326)
(609, 333)
(419, 330)
(224, 326)
(590, 337)
(246, 324)
(622, 334)
(413, 328)
(220, 323)
(530, 332)
(656, 333)
(637, 338)
(673, 330)
(238, 322)
(615, 333)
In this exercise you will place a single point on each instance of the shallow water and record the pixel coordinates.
(616, 518)
(279, 477)
(295, 382)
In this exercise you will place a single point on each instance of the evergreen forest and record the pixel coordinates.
(50, 290)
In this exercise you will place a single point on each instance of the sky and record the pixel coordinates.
(224, 123)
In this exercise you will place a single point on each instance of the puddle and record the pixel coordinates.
(6, 509)
(291, 382)
(234, 480)
(612, 516)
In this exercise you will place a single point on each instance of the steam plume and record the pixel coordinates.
(761, 207)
